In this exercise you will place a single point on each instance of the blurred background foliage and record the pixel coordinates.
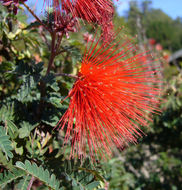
(28, 144)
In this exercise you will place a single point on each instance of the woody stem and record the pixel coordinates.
(53, 52)
(54, 49)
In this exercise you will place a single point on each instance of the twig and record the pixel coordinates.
(30, 183)
(58, 43)
(53, 53)
(54, 50)
(45, 39)
(59, 52)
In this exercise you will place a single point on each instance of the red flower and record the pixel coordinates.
(90, 10)
(96, 11)
(152, 41)
(110, 99)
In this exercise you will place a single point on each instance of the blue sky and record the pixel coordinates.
(172, 7)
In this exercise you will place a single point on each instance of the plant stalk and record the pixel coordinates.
(54, 49)
(53, 53)
(31, 183)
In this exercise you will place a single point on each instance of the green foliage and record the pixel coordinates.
(156, 162)
(30, 76)
(30, 107)
(10, 176)
(154, 23)
(40, 173)
(24, 182)
(5, 143)
(81, 177)
(118, 176)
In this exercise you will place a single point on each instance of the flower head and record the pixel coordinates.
(90, 10)
(96, 11)
(115, 90)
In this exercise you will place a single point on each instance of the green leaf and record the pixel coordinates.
(12, 129)
(93, 185)
(33, 25)
(8, 177)
(24, 93)
(6, 113)
(7, 164)
(50, 81)
(20, 165)
(18, 150)
(40, 173)
(19, 45)
(94, 173)
(55, 99)
(7, 117)
(23, 184)
(51, 120)
(30, 74)
(81, 178)
(12, 126)
(12, 35)
(25, 129)
(5, 143)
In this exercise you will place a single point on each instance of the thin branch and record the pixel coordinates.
(45, 39)
(53, 53)
(31, 183)
(60, 37)
(54, 49)
(59, 52)
(36, 17)
(66, 75)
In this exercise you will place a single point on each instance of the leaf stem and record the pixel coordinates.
(31, 183)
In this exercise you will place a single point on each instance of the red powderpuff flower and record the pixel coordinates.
(110, 99)
(96, 11)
